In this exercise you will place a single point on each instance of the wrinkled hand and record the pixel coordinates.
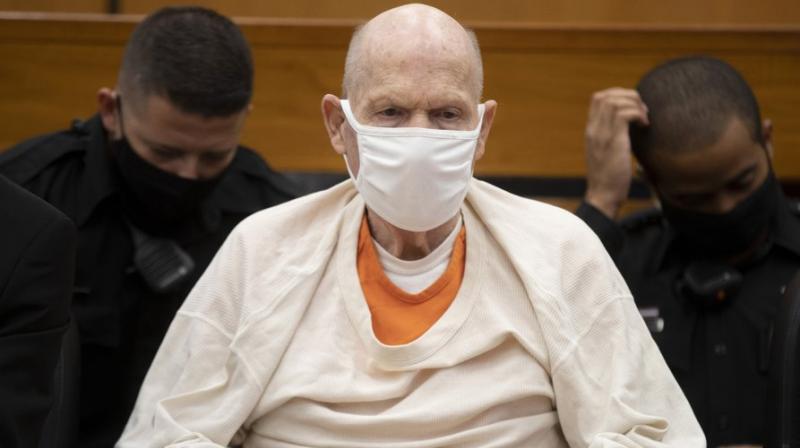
(608, 147)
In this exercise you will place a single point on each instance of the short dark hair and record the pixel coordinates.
(690, 102)
(193, 56)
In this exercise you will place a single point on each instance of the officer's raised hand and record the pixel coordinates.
(608, 147)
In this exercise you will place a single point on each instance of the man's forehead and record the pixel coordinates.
(163, 124)
(442, 74)
(439, 51)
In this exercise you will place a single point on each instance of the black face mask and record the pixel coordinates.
(717, 236)
(154, 200)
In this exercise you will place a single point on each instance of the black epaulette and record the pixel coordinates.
(24, 160)
(79, 126)
(642, 219)
(794, 205)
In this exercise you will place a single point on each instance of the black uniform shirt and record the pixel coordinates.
(121, 321)
(718, 354)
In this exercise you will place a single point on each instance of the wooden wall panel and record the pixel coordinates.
(517, 11)
(86, 6)
(674, 12)
(542, 78)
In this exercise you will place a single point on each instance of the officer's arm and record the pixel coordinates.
(609, 160)
(609, 231)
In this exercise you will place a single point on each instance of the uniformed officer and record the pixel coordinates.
(154, 183)
(708, 268)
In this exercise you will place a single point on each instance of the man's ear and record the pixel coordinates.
(766, 136)
(334, 120)
(490, 108)
(641, 173)
(107, 108)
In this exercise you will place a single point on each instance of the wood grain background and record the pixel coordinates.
(595, 12)
(541, 76)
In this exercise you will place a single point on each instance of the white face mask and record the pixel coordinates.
(414, 178)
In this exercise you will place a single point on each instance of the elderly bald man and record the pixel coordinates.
(413, 306)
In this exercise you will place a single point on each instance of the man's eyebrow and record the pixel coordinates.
(161, 146)
(169, 148)
(384, 98)
(389, 97)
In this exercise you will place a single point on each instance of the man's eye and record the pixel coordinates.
(695, 200)
(449, 114)
(741, 184)
(215, 157)
(390, 112)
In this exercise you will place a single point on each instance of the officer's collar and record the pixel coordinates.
(99, 179)
(787, 225)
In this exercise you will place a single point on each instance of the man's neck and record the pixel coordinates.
(404, 244)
